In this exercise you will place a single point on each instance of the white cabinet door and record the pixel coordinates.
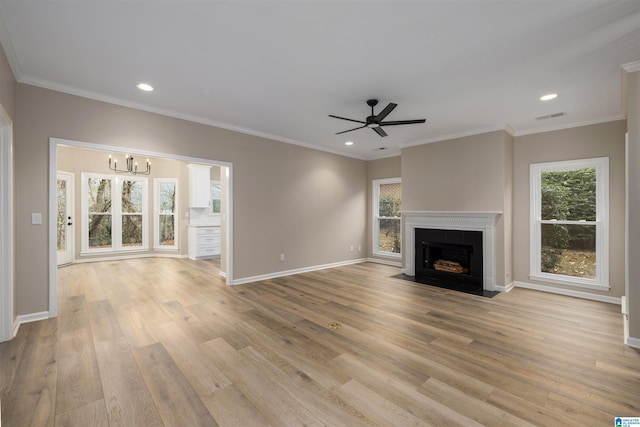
(199, 186)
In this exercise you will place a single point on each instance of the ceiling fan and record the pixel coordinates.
(375, 122)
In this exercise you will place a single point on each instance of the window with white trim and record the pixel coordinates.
(387, 204)
(115, 216)
(215, 198)
(569, 222)
(165, 212)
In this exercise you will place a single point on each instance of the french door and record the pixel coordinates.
(65, 221)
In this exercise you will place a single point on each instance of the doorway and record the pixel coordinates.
(54, 143)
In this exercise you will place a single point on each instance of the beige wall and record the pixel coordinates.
(309, 205)
(464, 174)
(633, 127)
(505, 251)
(601, 140)
(389, 167)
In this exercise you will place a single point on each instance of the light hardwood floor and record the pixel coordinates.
(165, 342)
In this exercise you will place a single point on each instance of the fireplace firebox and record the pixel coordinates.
(449, 258)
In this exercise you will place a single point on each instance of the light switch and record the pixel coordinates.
(36, 218)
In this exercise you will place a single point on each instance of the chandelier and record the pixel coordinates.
(132, 166)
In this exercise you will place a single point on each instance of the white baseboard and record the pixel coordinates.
(505, 288)
(569, 292)
(295, 271)
(16, 326)
(385, 262)
(27, 318)
(630, 341)
(32, 317)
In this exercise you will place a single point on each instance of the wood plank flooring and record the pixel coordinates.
(164, 342)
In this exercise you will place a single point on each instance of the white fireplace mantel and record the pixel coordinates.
(456, 220)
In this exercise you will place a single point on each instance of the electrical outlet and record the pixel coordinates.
(351, 248)
(36, 218)
(359, 248)
(281, 257)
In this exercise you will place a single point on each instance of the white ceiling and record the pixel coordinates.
(279, 68)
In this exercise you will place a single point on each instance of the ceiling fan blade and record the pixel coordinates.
(384, 113)
(402, 122)
(344, 118)
(380, 131)
(345, 131)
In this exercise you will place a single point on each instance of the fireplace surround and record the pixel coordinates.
(458, 220)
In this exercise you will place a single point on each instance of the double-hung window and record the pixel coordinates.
(569, 222)
(115, 213)
(387, 205)
(166, 198)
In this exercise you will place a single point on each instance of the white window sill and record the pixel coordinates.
(570, 281)
(387, 255)
(90, 252)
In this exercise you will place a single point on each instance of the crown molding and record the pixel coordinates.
(176, 115)
(464, 134)
(631, 67)
(569, 125)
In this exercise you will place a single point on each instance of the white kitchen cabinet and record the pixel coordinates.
(199, 186)
(204, 242)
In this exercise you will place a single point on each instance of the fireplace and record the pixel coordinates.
(449, 258)
(484, 222)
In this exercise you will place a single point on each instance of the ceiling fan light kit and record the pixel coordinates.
(376, 122)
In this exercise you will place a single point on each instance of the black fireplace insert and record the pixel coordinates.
(449, 258)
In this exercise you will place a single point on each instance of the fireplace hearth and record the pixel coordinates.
(449, 258)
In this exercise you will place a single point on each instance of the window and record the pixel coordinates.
(569, 222)
(166, 230)
(387, 203)
(97, 196)
(62, 220)
(215, 197)
(131, 210)
(116, 213)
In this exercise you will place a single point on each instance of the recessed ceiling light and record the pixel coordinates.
(549, 97)
(145, 87)
(348, 143)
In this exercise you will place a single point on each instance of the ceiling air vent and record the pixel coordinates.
(551, 116)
